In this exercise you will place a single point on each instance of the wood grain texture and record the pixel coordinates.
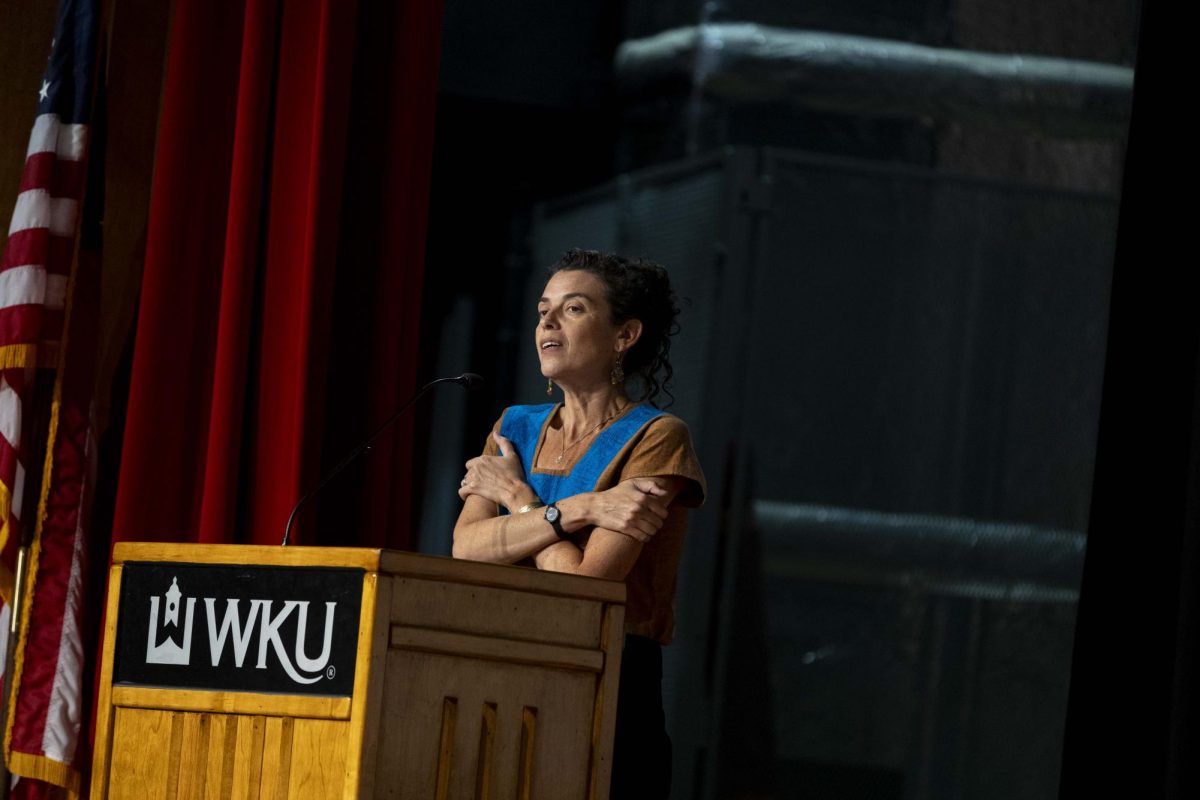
(247, 757)
(252, 555)
(604, 714)
(141, 760)
(484, 777)
(173, 755)
(251, 703)
(193, 757)
(425, 603)
(218, 762)
(477, 573)
(445, 754)
(102, 758)
(496, 649)
(319, 749)
(525, 754)
(416, 691)
(163, 754)
(277, 758)
(368, 686)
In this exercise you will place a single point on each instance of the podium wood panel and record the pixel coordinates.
(471, 681)
(276, 705)
(539, 617)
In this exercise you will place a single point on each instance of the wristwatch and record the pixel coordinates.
(554, 517)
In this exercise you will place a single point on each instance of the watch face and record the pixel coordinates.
(551, 514)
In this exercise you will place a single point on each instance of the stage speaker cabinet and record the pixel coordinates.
(235, 671)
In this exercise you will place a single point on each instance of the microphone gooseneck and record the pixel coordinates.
(468, 380)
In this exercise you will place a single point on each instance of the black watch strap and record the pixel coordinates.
(552, 515)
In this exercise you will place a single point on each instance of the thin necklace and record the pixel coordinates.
(568, 448)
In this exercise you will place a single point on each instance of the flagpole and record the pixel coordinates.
(10, 657)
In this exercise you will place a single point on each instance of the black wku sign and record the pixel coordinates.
(291, 630)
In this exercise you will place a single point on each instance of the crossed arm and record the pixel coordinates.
(622, 519)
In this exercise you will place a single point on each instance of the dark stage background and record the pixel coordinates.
(895, 225)
(939, 425)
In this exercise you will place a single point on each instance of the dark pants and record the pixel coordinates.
(641, 747)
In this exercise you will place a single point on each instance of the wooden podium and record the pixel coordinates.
(268, 672)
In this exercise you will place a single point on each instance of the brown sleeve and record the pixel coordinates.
(665, 448)
(490, 448)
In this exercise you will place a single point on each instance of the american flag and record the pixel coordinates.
(36, 272)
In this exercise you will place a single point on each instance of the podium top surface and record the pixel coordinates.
(391, 562)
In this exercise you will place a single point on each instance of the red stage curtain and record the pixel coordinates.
(281, 290)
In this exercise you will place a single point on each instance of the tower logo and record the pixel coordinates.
(168, 651)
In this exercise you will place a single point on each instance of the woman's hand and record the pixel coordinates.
(636, 508)
(498, 478)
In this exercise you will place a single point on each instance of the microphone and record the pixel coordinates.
(468, 380)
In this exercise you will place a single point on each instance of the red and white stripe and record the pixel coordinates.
(37, 260)
(34, 276)
(34, 272)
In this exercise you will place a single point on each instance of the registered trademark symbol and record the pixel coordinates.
(330, 671)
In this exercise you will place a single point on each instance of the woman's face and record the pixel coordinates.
(576, 339)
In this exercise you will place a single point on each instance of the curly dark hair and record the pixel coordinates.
(636, 289)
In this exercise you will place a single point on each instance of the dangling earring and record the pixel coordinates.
(549, 388)
(617, 376)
